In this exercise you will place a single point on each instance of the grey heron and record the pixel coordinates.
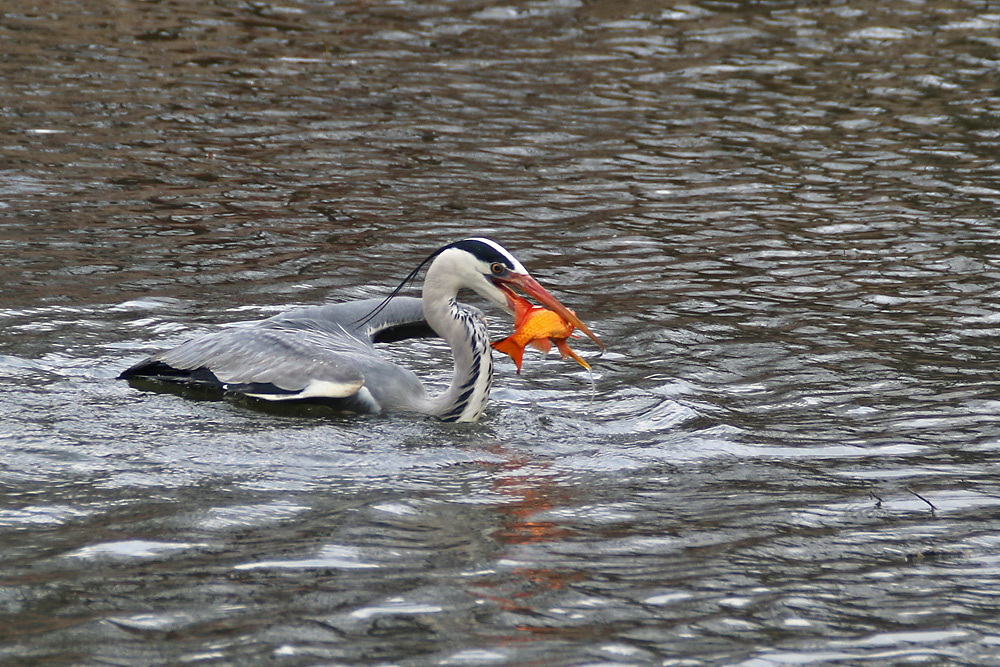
(327, 354)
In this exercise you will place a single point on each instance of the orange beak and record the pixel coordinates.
(530, 286)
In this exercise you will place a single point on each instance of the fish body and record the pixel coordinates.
(540, 328)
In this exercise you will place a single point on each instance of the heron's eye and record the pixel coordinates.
(497, 268)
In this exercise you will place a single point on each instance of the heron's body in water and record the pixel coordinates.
(327, 354)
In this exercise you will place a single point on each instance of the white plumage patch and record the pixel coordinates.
(317, 389)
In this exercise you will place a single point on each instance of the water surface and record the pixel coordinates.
(781, 218)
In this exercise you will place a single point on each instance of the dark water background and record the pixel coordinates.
(781, 216)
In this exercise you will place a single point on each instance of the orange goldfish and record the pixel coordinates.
(538, 327)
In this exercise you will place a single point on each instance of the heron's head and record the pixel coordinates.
(485, 267)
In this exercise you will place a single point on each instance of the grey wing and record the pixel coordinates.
(314, 352)
(372, 320)
(275, 362)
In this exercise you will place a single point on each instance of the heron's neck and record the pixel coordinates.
(465, 331)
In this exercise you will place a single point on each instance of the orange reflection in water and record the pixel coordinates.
(523, 589)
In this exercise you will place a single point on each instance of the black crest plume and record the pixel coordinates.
(399, 288)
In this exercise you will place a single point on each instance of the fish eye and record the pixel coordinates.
(497, 268)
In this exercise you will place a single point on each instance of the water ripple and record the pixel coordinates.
(780, 218)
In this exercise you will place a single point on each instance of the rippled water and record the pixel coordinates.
(782, 218)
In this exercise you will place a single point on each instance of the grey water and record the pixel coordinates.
(782, 218)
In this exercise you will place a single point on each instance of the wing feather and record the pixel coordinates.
(314, 352)
(289, 359)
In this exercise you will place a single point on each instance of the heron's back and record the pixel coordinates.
(313, 353)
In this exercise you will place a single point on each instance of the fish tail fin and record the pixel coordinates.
(512, 350)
